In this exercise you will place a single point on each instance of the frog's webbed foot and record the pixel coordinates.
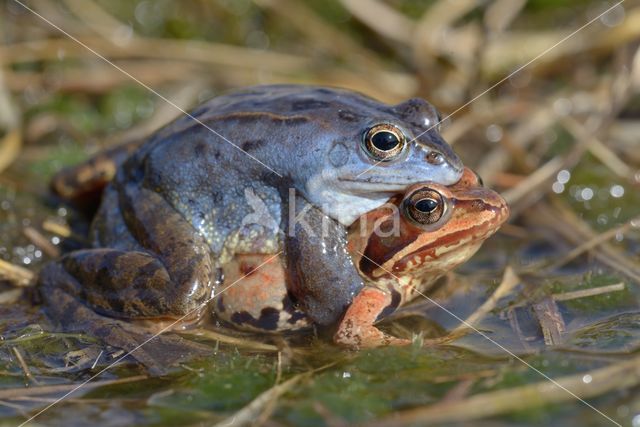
(156, 352)
(357, 330)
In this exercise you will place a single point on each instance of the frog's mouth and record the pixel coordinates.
(373, 187)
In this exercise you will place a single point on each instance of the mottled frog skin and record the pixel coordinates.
(174, 206)
(400, 250)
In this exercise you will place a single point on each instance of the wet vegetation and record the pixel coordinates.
(555, 295)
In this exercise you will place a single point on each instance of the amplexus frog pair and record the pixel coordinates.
(277, 174)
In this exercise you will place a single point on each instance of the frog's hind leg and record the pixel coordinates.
(160, 269)
(162, 266)
(59, 293)
(129, 284)
(149, 263)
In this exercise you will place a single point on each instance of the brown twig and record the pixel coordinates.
(24, 366)
(551, 320)
(41, 242)
(61, 230)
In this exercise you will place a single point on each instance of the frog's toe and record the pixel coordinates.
(157, 353)
(353, 335)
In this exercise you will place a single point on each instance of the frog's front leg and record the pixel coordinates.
(357, 330)
(322, 278)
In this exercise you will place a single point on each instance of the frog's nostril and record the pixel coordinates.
(435, 158)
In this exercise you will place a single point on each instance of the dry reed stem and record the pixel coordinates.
(618, 376)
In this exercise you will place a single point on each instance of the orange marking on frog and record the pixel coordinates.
(253, 286)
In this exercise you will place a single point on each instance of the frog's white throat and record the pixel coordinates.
(343, 206)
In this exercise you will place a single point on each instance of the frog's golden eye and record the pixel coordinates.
(425, 207)
(384, 142)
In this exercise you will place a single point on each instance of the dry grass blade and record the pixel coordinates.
(628, 30)
(509, 281)
(635, 70)
(11, 296)
(11, 141)
(436, 36)
(508, 51)
(592, 243)
(99, 20)
(382, 18)
(522, 136)
(618, 377)
(228, 339)
(434, 22)
(583, 293)
(19, 276)
(598, 149)
(569, 225)
(103, 77)
(513, 48)
(58, 229)
(501, 13)
(41, 242)
(10, 148)
(15, 393)
(534, 181)
(268, 408)
(216, 54)
(322, 34)
(248, 414)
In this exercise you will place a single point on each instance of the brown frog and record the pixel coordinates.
(400, 249)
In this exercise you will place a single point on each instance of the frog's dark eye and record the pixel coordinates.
(435, 158)
(424, 206)
(384, 142)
